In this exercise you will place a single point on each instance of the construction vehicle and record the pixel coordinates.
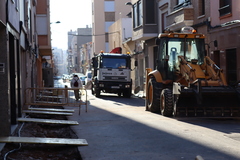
(112, 73)
(186, 82)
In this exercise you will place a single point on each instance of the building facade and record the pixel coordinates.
(104, 14)
(218, 20)
(44, 59)
(225, 29)
(19, 58)
(78, 41)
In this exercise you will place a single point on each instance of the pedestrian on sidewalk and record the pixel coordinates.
(76, 84)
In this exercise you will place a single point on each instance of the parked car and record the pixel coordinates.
(65, 76)
(57, 77)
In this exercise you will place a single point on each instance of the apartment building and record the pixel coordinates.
(44, 61)
(77, 41)
(84, 36)
(20, 58)
(218, 20)
(4, 86)
(86, 56)
(13, 50)
(224, 27)
(105, 13)
(72, 52)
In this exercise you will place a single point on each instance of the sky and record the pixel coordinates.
(72, 14)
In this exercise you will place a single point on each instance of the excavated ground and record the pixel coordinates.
(16, 151)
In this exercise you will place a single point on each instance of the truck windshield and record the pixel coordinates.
(113, 63)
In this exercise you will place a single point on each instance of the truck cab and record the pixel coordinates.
(112, 74)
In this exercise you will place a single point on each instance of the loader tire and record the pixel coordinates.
(166, 103)
(153, 95)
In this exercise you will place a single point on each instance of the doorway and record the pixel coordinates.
(231, 64)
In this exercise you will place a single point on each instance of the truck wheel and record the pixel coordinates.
(153, 96)
(97, 92)
(127, 93)
(92, 89)
(166, 103)
(119, 94)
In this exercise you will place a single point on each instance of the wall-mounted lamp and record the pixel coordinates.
(128, 3)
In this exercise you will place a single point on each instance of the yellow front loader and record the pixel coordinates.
(187, 82)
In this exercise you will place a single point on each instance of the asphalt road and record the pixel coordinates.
(119, 128)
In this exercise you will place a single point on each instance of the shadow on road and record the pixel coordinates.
(128, 133)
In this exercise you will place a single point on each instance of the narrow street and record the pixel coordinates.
(120, 128)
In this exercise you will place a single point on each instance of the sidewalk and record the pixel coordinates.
(102, 129)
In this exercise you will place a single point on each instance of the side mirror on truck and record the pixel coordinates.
(94, 62)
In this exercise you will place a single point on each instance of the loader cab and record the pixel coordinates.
(173, 45)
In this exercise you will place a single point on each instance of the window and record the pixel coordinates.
(225, 7)
(76, 60)
(164, 20)
(150, 12)
(107, 25)
(137, 14)
(106, 47)
(201, 4)
(181, 4)
(180, 1)
(109, 6)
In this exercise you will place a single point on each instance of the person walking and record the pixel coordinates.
(76, 83)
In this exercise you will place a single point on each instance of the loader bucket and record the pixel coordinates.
(210, 102)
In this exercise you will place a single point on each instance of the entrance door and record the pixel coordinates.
(13, 85)
(231, 60)
(216, 57)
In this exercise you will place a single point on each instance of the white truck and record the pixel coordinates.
(112, 74)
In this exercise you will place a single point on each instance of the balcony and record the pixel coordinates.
(45, 48)
(180, 18)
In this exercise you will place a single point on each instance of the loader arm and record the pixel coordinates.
(186, 70)
(217, 75)
(190, 71)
